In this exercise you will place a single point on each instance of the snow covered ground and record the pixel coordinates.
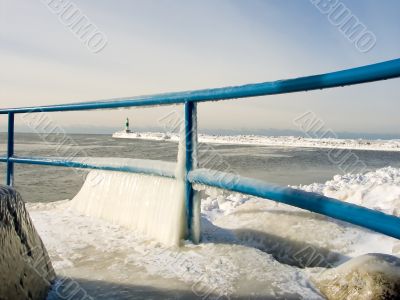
(279, 141)
(251, 247)
(379, 190)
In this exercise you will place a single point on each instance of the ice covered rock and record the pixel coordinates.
(25, 268)
(367, 277)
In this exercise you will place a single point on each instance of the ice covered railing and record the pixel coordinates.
(358, 215)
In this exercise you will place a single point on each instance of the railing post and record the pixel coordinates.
(10, 150)
(190, 163)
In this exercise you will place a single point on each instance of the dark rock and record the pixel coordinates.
(25, 268)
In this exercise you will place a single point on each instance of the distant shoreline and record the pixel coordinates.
(278, 141)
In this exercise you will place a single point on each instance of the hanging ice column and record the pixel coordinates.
(188, 151)
(162, 208)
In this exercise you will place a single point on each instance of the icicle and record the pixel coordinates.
(151, 205)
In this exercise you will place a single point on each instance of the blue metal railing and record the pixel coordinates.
(10, 149)
(367, 218)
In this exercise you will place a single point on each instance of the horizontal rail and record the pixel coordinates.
(82, 165)
(369, 73)
(354, 214)
(351, 213)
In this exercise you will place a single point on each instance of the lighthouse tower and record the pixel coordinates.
(127, 130)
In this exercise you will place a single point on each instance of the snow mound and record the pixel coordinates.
(379, 190)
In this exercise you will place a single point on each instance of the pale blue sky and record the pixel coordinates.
(160, 46)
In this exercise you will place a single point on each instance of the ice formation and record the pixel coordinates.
(278, 141)
(379, 190)
(147, 204)
(251, 247)
(151, 205)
